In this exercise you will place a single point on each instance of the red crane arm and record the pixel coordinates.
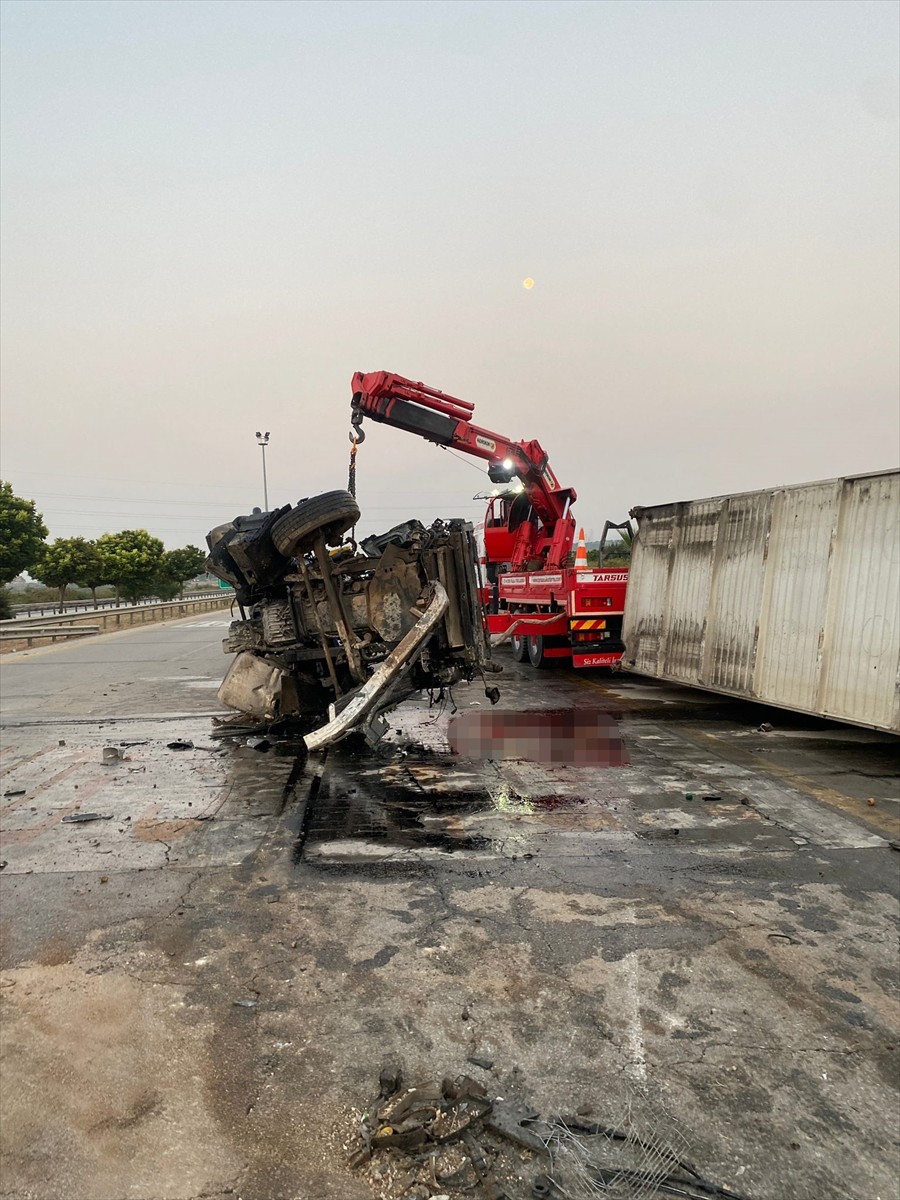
(446, 421)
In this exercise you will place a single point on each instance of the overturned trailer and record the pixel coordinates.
(789, 596)
(336, 633)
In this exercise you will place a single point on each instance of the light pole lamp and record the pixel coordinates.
(262, 440)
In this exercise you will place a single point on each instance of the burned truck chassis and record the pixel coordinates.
(333, 630)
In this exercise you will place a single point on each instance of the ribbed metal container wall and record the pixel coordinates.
(790, 597)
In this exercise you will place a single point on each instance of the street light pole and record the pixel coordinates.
(262, 440)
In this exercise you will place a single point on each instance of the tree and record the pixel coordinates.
(182, 565)
(163, 586)
(62, 564)
(22, 533)
(92, 573)
(617, 554)
(131, 560)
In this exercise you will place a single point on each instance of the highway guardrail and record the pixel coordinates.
(109, 620)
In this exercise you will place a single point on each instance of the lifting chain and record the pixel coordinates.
(351, 479)
(357, 437)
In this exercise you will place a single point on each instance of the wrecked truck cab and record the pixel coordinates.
(335, 634)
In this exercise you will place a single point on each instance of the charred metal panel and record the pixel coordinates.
(278, 627)
(252, 686)
(454, 619)
(789, 596)
(393, 592)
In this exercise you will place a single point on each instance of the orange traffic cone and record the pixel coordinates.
(581, 562)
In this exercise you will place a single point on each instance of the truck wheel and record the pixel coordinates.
(329, 515)
(536, 655)
(519, 645)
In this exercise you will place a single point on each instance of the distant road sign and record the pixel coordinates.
(224, 583)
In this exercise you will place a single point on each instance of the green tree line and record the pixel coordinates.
(132, 561)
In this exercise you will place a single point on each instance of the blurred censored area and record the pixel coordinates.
(580, 737)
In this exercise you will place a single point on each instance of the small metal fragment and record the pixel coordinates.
(507, 1118)
(390, 1080)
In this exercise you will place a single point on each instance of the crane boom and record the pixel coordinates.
(545, 537)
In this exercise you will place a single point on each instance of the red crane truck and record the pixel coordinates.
(548, 610)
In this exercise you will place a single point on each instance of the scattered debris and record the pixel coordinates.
(15, 792)
(712, 799)
(245, 1002)
(79, 818)
(133, 742)
(871, 802)
(455, 1136)
(390, 1079)
(259, 743)
(484, 1063)
(180, 744)
(110, 754)
(765, 727)
(511, 1119)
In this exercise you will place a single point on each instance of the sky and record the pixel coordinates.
(213, 213)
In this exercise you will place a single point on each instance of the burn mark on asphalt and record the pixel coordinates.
(145, 1107)
(834, 993)
(380, 959)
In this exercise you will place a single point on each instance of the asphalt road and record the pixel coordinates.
(200, 987)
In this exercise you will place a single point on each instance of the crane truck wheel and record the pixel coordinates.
(519, 645)
(329, 515)
(536, 652)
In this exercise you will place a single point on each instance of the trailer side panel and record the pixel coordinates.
(789, 596)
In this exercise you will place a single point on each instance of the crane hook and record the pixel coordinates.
(357, 435)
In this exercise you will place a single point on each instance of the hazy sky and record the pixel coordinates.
(213, 213)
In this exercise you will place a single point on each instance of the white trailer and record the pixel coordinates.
(790, 597)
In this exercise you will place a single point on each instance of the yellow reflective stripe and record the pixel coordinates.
(588, 624)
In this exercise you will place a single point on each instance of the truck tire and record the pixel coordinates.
(536, 656)
(329, 515)
(519, 645)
